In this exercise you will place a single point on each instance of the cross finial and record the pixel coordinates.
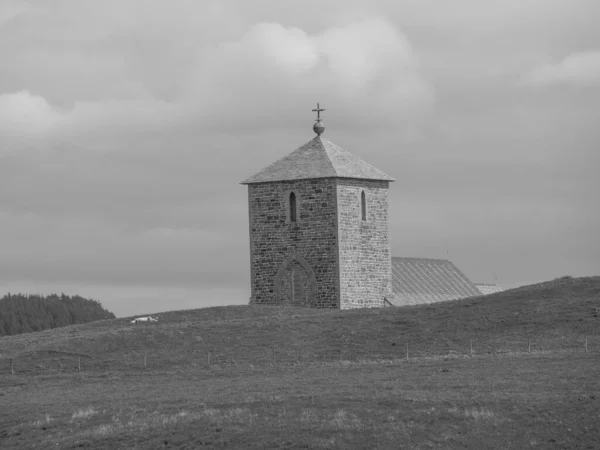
(318, 111)
(318, 127)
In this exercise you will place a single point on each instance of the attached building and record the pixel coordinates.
(421, 280)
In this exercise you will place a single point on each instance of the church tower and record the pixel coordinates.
(319, 232)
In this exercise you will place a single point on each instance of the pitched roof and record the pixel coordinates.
(419, 280)
(318, 158)
(487, 289)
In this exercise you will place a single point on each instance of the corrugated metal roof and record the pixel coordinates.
(420, 280)
(318, 158)
(487, 289)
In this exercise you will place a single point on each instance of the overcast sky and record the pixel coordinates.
(127, 125)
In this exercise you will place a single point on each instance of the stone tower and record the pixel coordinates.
(319, 229)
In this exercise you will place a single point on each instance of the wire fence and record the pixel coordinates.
(51, 361)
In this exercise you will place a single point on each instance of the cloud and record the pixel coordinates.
(126, 126)
(12, 8)
(366, 62)
(372, 57)
(128, 81)
(577, 69)
(23, 115)
(287, 49)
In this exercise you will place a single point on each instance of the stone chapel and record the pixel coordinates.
(319, 234)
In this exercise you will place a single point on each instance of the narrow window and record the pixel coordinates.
(292, 207)
(363, 206)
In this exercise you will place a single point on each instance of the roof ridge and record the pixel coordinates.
(320, 139)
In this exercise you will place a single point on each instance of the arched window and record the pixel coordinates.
(292, 207)
(363, 206)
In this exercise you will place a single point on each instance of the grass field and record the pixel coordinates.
(502, 397)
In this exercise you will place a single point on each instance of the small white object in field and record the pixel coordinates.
(144, 319)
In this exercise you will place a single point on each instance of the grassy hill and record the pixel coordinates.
(555, 315)
(545, 400)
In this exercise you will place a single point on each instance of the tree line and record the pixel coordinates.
(20, 313)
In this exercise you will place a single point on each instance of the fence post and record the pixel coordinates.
(79, 364)
(586, 349)
(12, 368)
(529, 344)
(273, 355)
(145, 355)
(407, 351)
(340, 350)
(471, 347)
(208, 358)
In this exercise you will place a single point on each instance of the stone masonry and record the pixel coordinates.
(276, 243)
(365, 263)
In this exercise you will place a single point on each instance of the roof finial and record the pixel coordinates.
(318, 127)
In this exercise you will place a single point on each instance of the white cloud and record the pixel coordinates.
(361, 50)
(288, 49)
(578, 69)
(12, 8)
(365, 63)
(126, 81)
(23, 113)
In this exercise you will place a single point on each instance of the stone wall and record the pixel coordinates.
(277, 246)
(364, 246)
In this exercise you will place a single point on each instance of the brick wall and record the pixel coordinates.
(364, 247)
(278, 247)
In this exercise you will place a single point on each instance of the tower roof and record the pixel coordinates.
(318, 158)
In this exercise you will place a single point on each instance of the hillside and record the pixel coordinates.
(544, 400)
(556, 315)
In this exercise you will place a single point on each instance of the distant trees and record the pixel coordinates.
(20, 313)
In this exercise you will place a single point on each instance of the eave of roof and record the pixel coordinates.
(318, 158)
(486, 288)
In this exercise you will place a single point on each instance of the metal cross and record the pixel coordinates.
(318, 111)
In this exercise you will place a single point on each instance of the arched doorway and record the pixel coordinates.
(295, 282)
(294, 285)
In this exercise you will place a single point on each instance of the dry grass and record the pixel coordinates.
(309, 417)
(479, 414)
(155, 421)
(341, 420)
(475, 413)
(84, 413)
(485, 403)
(42, 422)
(103, 431)
(229, 415)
